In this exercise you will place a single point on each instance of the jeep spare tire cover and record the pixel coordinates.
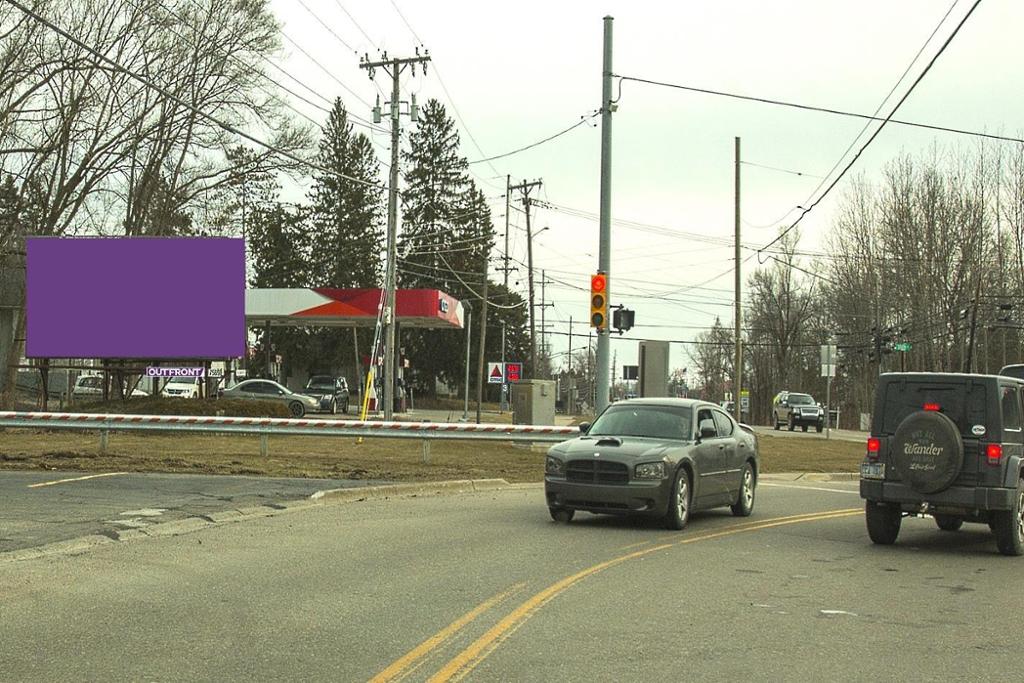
(928, 451)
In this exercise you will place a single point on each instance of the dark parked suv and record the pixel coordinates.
(332, 392)
(951, 446)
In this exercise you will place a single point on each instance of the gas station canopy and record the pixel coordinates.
(325, 307)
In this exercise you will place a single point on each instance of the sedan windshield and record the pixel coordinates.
(658, 422)
(320, 381)
(800, 400)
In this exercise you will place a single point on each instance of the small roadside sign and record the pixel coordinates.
(494, 373)
(901, 346)
(513, 372)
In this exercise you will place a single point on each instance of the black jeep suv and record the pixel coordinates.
(951, 446)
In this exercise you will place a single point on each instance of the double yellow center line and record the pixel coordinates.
(464, 662)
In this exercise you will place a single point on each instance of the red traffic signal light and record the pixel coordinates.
(599, 301)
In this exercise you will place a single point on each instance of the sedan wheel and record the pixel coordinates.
(679, 504)
(334, 407)
(744, 505)
(296, 409)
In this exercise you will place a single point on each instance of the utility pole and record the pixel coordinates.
(738, 359)
(465, 391)
(508, 209)
(604, 244)
(502, 403)
(570, 399)
(483, 341)
(393, 67)
(525, 188)
(543, 326)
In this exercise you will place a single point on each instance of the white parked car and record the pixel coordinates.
(90, 388)
(182, 387)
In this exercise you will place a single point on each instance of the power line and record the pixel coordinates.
(405, 21)
(780, 170)
(328, 28)
(583, 120)
(248, 66)
(878, 130)
(164, 93)
(825, 110)
(356, 23)
(323, 68)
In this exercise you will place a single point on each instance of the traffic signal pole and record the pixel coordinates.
(737, 369)
(604, 245)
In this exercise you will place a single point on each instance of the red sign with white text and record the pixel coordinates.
(513, 372)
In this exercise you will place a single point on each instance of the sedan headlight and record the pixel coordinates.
(554, 466)
(650, 470)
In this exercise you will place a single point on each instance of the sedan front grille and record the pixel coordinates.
(597, 472)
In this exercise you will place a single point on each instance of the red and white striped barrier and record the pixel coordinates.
(261, 425)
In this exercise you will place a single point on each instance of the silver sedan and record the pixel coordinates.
(269, 390)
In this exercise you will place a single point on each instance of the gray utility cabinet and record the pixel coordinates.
(654, 356)
(533, 402)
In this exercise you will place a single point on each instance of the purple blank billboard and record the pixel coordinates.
(135, 297)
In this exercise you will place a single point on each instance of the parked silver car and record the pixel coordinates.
(269, 390)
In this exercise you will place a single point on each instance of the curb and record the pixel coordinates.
(189, 525)
(407, 490)
(811, 476)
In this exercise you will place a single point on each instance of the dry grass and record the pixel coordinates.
(343, 458)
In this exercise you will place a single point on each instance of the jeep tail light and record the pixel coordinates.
(932, 407)
(874, 447)
(994, 453)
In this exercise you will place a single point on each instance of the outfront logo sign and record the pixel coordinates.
(159, 371)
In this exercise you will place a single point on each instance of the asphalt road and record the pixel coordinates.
(487, 587)
(47, 507)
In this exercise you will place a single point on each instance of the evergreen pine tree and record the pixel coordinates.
(345, 247)
(446, 235)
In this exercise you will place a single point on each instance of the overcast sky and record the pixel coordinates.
(519, 72)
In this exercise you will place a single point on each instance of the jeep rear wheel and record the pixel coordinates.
(1008, 525)
(883, 522)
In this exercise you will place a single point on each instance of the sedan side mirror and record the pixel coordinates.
(707, 429)
(584, 427)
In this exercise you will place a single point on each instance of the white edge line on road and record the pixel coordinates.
(65, 481)
(808, 488)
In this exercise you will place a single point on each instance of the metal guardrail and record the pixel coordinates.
(265, 427)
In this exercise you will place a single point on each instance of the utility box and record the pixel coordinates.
(654, 368)
(533, 402)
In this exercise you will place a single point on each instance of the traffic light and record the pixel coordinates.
(623, 319)
(599, 301)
